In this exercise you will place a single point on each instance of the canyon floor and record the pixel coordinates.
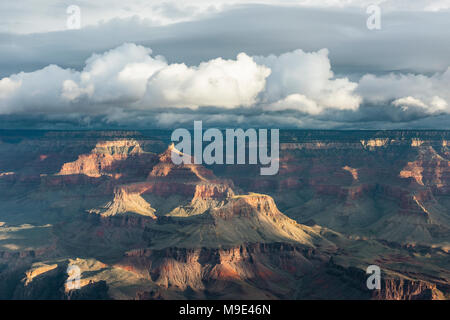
(112, 205)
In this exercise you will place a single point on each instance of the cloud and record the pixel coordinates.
(130, 86)
(128, 76)
(436, 104)
(38, 91)
(297, 102)
(407, 42)
(218, 82)
(8, 86)
(429, 94)
(305, 81)
(19, 17)
(407, 102)
(116, 76)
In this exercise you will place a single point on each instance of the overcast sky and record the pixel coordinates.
(285, 63)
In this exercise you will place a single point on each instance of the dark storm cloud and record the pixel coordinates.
(413, 44)
(412, 41)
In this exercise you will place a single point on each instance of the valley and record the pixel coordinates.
(138, 226)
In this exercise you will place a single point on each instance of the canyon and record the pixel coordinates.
(141, 227)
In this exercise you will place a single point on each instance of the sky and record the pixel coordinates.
(323, 64)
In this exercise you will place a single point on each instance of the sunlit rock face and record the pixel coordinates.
(139, 226)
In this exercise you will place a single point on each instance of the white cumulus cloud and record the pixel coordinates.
(218, 82)
(431, 94)
(128, 76)
(127, 80)
(304, 81)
